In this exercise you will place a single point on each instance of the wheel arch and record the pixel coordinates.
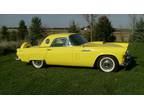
(97, 59)
(30, 60)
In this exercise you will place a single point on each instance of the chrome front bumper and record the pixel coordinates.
(127, 60)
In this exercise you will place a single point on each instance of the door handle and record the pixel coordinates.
(86, 50)
(49, 49)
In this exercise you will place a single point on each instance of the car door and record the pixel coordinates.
(83, 56)
(59, 53)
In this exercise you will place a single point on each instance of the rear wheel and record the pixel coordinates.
(38, 63)
(108, 64)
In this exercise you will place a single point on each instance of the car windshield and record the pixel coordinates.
(77, 39)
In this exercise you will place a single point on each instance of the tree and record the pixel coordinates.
(133, 18)
(4, 33)
(22, 30)
(91, 20)
(138, 35)
(104, 30)
(36, 28)
(74, 28)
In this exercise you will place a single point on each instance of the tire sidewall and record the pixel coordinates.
(113, 59)
(38, 66)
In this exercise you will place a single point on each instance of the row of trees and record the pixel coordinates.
(137, 28)
(100, 30)
(23, 33)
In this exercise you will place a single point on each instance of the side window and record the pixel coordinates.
(59, 42)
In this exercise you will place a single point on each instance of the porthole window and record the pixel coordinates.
(47, 41)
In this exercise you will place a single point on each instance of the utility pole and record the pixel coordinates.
(133, 22)
(91, 27)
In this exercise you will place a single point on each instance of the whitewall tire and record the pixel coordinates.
(108, 64)
(38, 63)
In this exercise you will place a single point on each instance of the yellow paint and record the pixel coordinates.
(83, 55)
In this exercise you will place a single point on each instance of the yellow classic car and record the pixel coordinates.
(70, 49)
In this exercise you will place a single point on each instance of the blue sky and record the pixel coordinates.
(60, 20)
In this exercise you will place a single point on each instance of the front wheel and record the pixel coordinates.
(38, 63)
(108, 64)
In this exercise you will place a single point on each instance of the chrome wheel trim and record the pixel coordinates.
(37, 63)
(107, 64)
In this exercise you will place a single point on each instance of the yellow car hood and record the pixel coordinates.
(108, 44)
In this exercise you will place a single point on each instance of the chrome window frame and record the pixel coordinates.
(67, 43)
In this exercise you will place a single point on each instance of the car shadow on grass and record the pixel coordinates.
(68, 67)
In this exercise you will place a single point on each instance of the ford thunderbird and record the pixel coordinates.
(70, 49)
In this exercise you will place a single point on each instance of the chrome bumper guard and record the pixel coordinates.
(128, 60)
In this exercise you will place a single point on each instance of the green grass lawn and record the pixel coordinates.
(20, 78)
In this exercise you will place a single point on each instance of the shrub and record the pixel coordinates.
(7, 47)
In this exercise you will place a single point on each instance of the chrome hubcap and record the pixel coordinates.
(37, 62)
(107, 64)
